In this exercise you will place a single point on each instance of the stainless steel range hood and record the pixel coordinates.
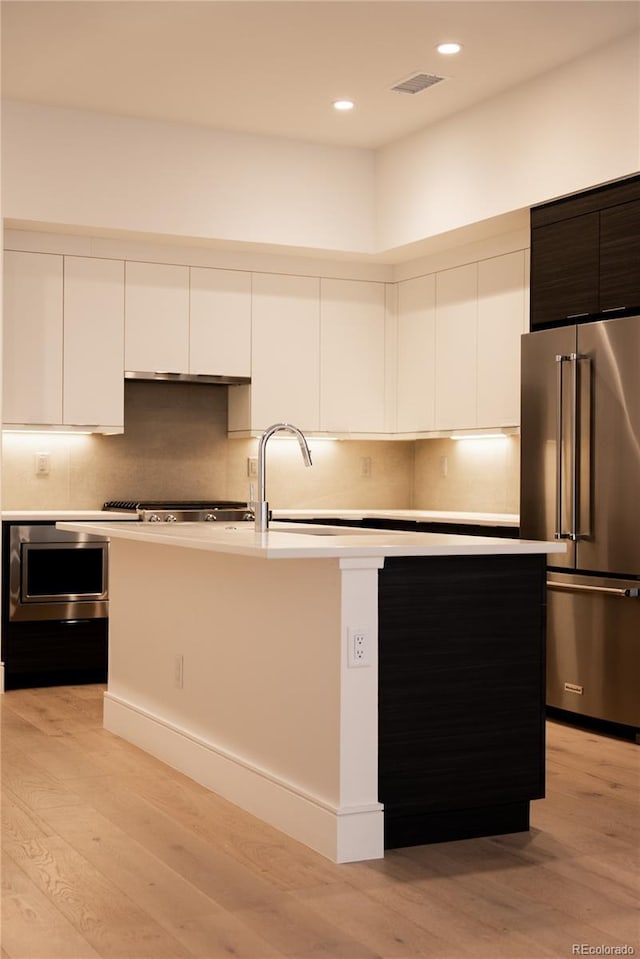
(187, 378)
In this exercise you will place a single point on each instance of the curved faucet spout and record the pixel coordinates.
(261, 507)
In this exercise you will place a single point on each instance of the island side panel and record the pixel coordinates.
(230, 668)
(461, 740)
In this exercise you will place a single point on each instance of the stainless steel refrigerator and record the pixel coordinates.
(580, 482)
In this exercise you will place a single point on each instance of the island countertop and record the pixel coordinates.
(301, 541)
(411, 515)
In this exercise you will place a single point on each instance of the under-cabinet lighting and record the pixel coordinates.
(343, 105)
(50, 432)
(480, 435)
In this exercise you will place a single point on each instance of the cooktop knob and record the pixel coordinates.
(154, 518)
(210, 518)
(170, 518)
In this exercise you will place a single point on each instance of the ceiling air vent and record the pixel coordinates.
(417, 83)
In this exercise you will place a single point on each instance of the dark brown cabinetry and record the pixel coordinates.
(461, 695)
(585, 256)
(620, 256)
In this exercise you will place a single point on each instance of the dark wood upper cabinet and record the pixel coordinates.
(620, 257)
(585, 255)
(564, 270)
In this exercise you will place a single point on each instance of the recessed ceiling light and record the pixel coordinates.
(343, 104)
(449, 48)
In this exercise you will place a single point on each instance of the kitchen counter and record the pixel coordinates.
(301, 541)
(416, 515)
(59, 515)
(269, 682)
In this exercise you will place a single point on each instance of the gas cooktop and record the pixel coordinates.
(183, 511)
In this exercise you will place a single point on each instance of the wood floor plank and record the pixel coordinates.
(32, 927)
(103, 915)
(112, 852)
(19, 821)
(500, 872)
(215, 873)
(162, 892)
(376, 922)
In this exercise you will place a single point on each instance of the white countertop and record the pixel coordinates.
(59, 515)
(289, 541)
(417, 515)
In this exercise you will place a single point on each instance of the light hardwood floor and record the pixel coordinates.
(107, 852)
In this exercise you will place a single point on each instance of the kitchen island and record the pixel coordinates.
(354, 688)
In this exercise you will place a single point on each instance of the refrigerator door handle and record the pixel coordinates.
(576, 453)
(631, 593)
(561, 359)
(573, 359)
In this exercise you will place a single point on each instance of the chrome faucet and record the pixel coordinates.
(261, 507)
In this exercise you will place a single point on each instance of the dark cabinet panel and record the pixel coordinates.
(585, 255)
(461, 695)
(620, 257)
(564, 270)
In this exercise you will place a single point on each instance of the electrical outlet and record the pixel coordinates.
(358, 648)
(252, 465)
(42, 464)
(178, 672)
(365, 466)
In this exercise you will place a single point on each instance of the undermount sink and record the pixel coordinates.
(326, 531)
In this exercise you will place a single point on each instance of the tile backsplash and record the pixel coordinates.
(175, 445)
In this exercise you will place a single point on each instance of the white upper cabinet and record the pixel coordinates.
(220, 322)
(456, 346)
(156, 318)
(416, 354)
(502, 317)
(352, 356)
(284, 356)
(63, 341)
(33, 338)
(93, 393)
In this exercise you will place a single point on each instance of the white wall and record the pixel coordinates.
(575, 127)
(74, 167)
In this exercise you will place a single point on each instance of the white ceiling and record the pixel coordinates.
(275, 67)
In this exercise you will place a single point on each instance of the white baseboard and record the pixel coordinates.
(350, 834)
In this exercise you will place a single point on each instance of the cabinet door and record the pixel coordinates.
(93, 342)
(220, 322)
(352, 356)
(156, 318)
(501, 323)
(564, 269)
(456, 340)
(285, 358)
(32, 387)
(620, 256)
(416, 354)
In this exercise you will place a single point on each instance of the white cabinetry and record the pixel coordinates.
(352, 356)
(459, 346)
(32, 363)
(456, 344)
(416, 354)
(284, 356)
(156, 318)
(63, 341)
(220, 322)
(93, 391)
(182, 319)
(502, 319)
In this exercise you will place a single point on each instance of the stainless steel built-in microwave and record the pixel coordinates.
(56, 575)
